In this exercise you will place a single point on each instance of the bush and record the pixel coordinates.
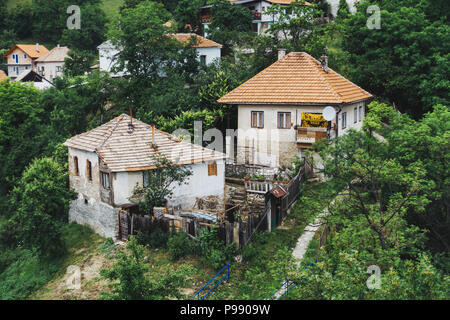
(179, 245)
(156, 239)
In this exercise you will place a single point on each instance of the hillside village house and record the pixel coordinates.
(261, 21)
(22, 57)
(34, 79)
(3, 75)
(106, 163)
(207, 50)
(50, 65)
(280, 109)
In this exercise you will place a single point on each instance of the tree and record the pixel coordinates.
(343, 10)
(187, 13)
(295, 24)
(407, 60)
(133, 283)
(160, 183)
(21, 120)
(41, 201)
(78, 62)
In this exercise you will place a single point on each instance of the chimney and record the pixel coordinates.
(324, 62)
(281, 53)
(153, 137)
(37, 47)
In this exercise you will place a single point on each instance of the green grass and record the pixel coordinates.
(110, 7)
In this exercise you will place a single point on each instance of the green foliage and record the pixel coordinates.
(407, 60)
(160, 183)
(132, 282)
(156, 239)
(78, 62)
(41, 199)
(179, 245)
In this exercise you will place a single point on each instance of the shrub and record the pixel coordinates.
(179, 245)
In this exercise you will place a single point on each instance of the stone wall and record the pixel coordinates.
(101, 217)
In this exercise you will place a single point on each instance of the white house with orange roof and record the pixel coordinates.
(22, 57)
(106, 163)
(280, 109)
(208, 51)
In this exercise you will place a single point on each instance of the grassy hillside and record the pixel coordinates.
(111, 7)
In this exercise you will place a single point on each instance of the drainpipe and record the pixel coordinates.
(337, 120)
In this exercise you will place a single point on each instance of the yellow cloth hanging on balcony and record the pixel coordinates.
(315, 120)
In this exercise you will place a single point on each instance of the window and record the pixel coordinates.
(203, 60)
(257, 119)
(344, 120)
(146, 178)
(355, 115)
(75, 165)
(360, 113)
(25, 55)
(212, 169)
(284, 120)
(105, 180)
(58, 68)
(89, 170)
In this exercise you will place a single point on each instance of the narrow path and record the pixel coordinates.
(302, 245)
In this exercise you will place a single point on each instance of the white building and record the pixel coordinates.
(280, 109)
(51, 64)
(34, 79)
(261, 20)
(106, 163)
(22, 57)
(208, 51)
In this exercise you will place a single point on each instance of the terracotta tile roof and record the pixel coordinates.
(57, 54)
(297, 78)
(123, 149)
(3, 75)
(202, 41)
(29, 49)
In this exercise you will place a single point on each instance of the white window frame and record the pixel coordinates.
(344, 120)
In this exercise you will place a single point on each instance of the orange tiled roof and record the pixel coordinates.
(297, 78)
(123, 149)
(3, 75)
(202, 41)
(29, 49)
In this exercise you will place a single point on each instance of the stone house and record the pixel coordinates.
(106, 163)
(280, 109)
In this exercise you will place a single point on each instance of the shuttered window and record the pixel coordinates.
(105, 180)
(88, 170)
(75, 165)
(284, 120)
(257, 119)
(212, 169)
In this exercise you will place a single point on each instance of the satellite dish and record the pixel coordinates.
(329, 113)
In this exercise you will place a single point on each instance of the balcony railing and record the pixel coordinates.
(206, 18)
(257, 15)
(306, 136)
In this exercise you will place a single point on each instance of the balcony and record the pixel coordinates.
(206, 18)
(257, 15)
(306, 136)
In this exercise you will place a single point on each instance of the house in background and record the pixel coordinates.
(3, 75)
(22, 57)
(34, 79)
(280, 109)
(208, 51)
(106, 163)
(51, 64)
(261, 21)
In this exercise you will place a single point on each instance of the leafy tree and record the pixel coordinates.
(78, 62)
(41, 198)
(133, 283)
(407, 60)
(295, 23)
(228, 24)
(160, 183)
(343, 10)
(186, 13)
(21, 120)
